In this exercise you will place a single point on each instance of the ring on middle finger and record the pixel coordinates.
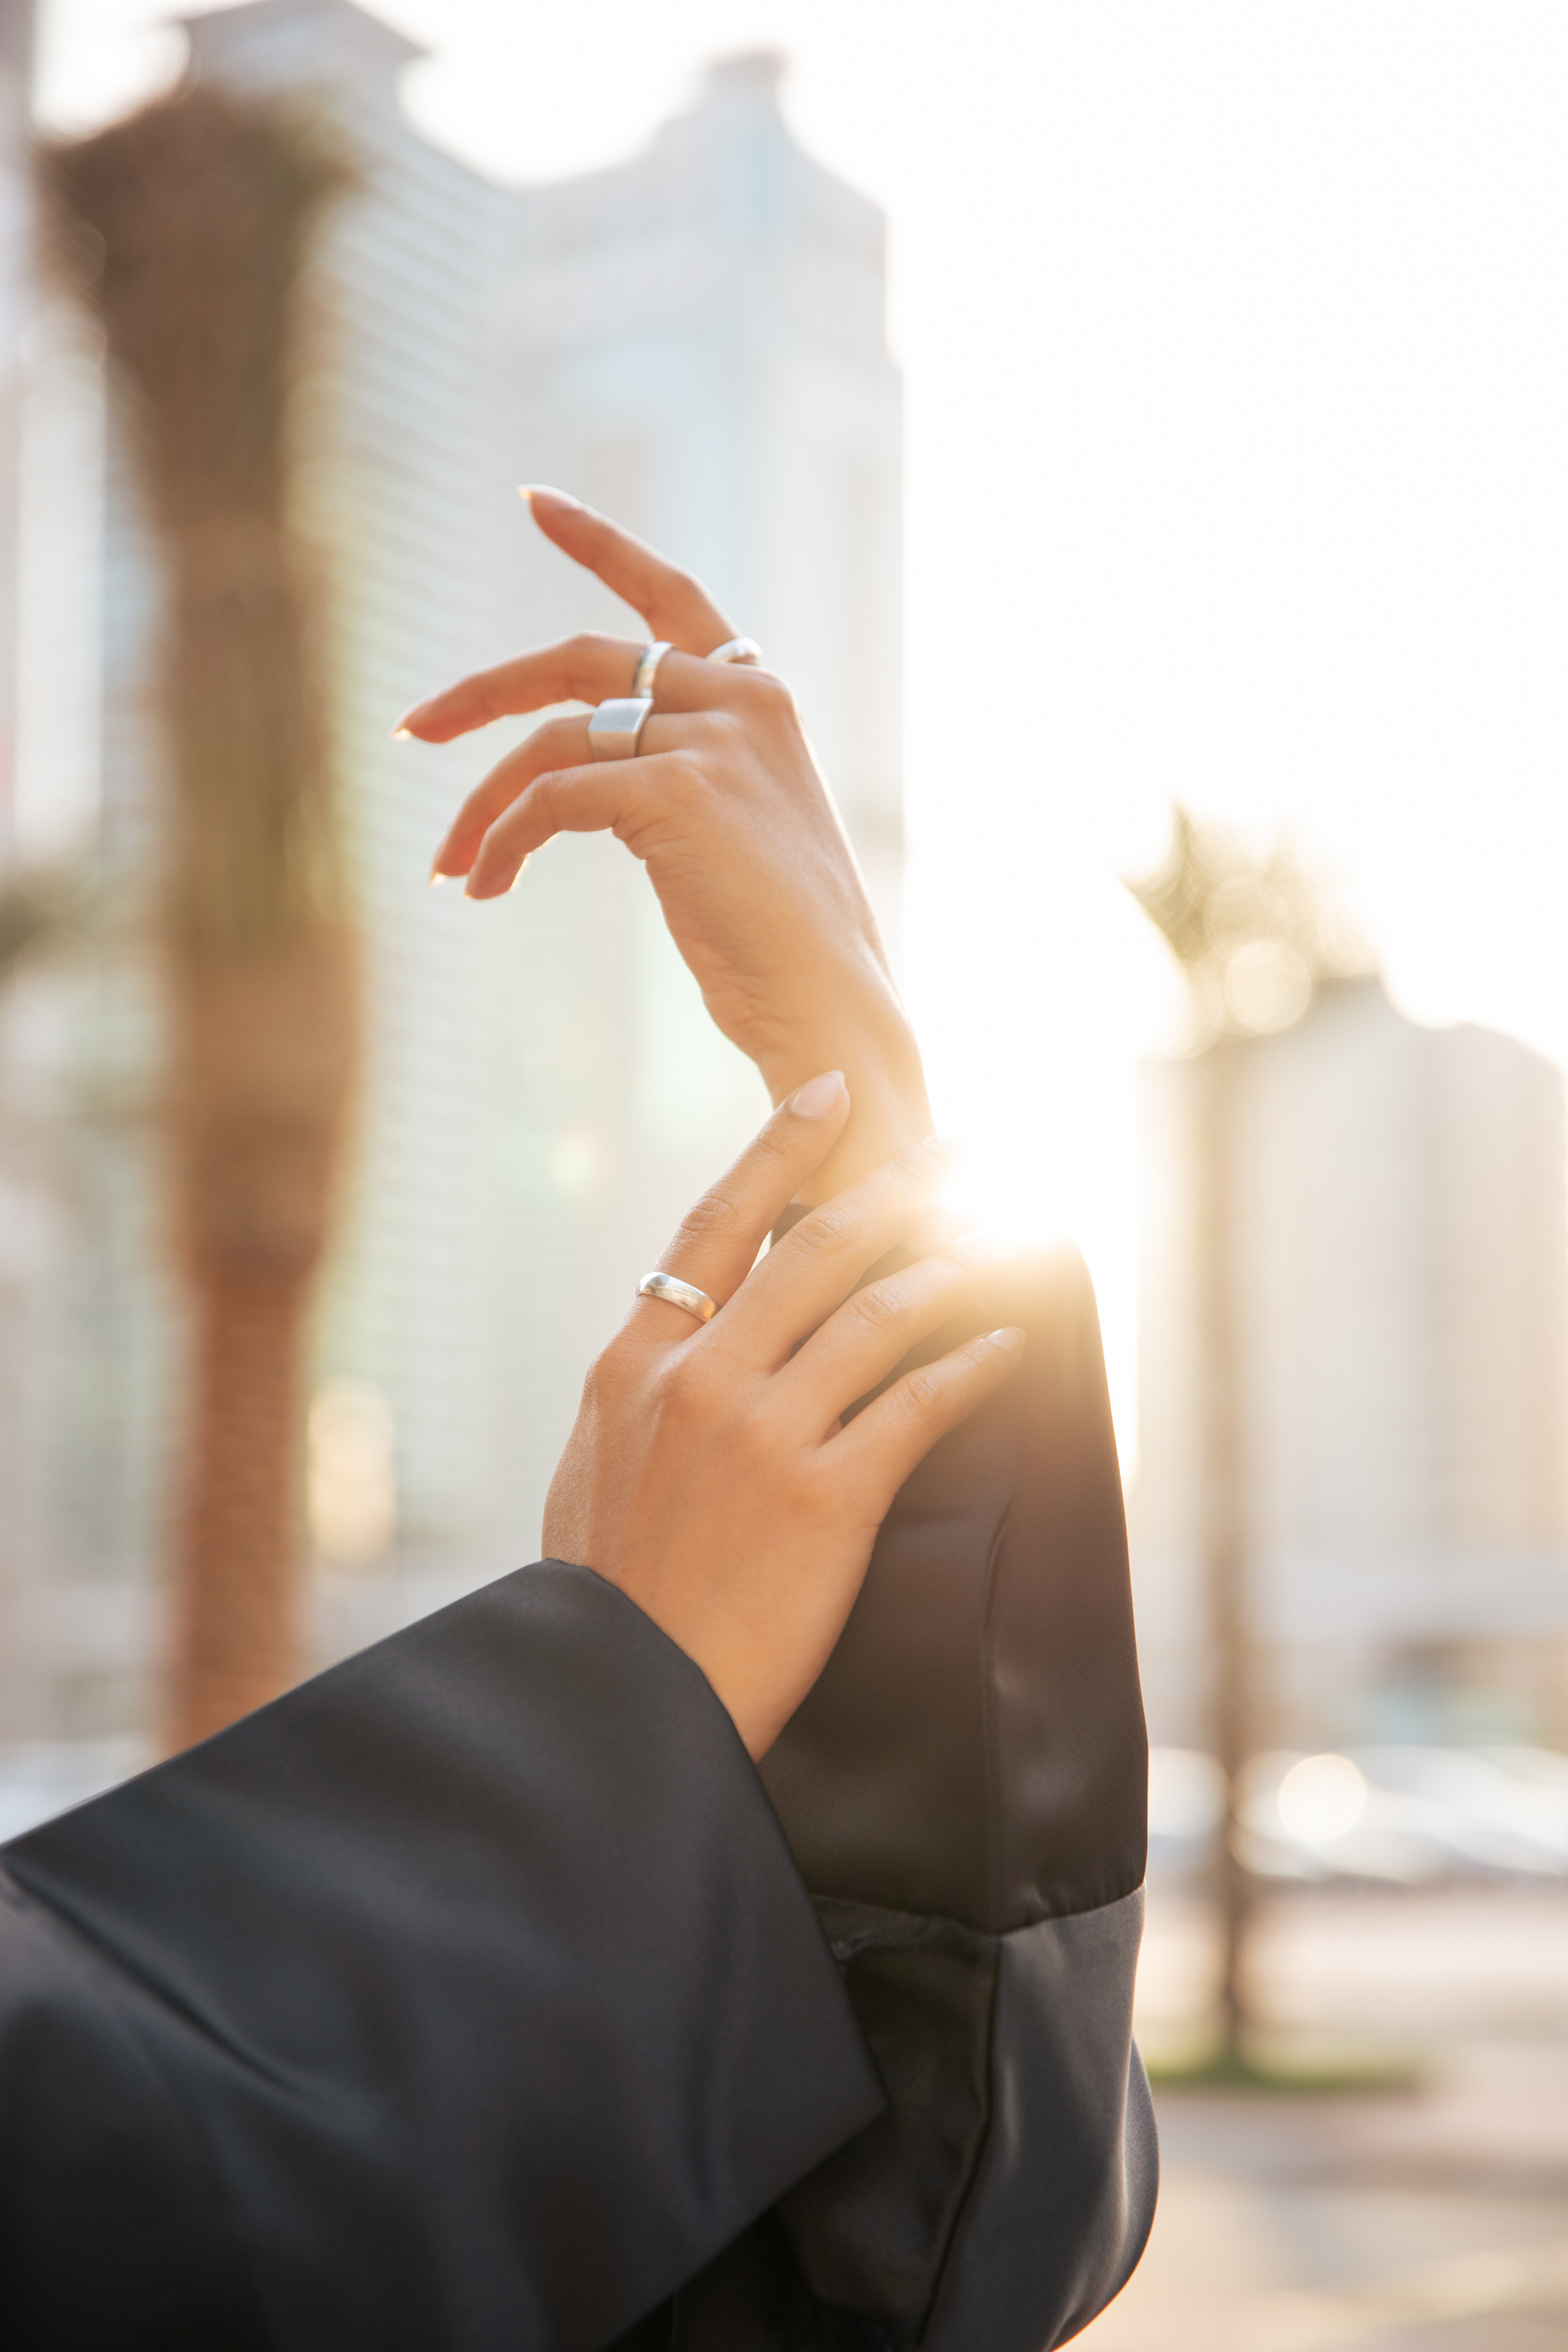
(613, 728)
(646, 669)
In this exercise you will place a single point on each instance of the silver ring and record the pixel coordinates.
(613, 728)
(679, 1293)
(738, 649)
(648, 661)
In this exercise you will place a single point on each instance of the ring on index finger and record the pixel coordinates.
(684, 1295)
(615, 726)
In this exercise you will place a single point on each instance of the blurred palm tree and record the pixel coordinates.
(1256, 935)
(189, 226)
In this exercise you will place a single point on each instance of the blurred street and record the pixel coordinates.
(1427, 2220)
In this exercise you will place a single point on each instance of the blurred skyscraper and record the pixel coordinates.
(693, 341)
(1401, 1280)
(15, 223)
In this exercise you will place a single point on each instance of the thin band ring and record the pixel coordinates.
(615, 726)
(676, 1293)
(738, 649)
(646, 669)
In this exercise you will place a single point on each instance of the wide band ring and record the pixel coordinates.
(738, 649)
(686, 1295)
(613, 728)
(646, 669)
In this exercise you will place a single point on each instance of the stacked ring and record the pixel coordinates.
(613, 728)
(646, 669)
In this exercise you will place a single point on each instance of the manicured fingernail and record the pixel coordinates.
(403, 730)
(818, 1096)
(403, 734)
(1010, 1339)
(533, 491)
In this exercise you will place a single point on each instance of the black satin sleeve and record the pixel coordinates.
(464, 1999)
(966, 1793)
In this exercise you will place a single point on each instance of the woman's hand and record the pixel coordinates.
(711, 1475)
(726, 807)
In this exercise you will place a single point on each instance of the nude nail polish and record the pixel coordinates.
(818, 1096)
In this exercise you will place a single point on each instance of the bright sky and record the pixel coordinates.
(1235, 338)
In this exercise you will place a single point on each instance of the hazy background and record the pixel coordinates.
(1236, 367)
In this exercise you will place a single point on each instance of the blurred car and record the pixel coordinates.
(1399, 1815)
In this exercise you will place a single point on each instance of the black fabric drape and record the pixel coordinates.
(465, 1997)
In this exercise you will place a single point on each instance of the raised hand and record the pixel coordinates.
(725, 805)
(710, 1473)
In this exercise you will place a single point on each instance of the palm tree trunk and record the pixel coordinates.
(237, 1640)
(202, 212)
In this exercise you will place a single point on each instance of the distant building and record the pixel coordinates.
(16, 304)
(693, 341)
(1401, 1269)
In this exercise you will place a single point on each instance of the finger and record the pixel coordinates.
(585, 668)
(559, 743)
(883, 1444)
(670, 601)
(622, 796)
(808, 1274)
(719, 1240)
(859, 1345)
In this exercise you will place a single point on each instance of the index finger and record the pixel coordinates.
(676, 607)
(719, 1239)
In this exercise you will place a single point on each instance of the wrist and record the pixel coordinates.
(883, 1072)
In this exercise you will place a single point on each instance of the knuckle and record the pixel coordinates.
(713, 1218)
(685, 1389)
(749, 1431)
(713, 732)
(583, 662)
(610, 1376)
(922, 1392)
(831, 1231)
(554, 737)
(684, 587)
(685, 780)
(697, 1402)
(881, 1308)
(770, 695)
